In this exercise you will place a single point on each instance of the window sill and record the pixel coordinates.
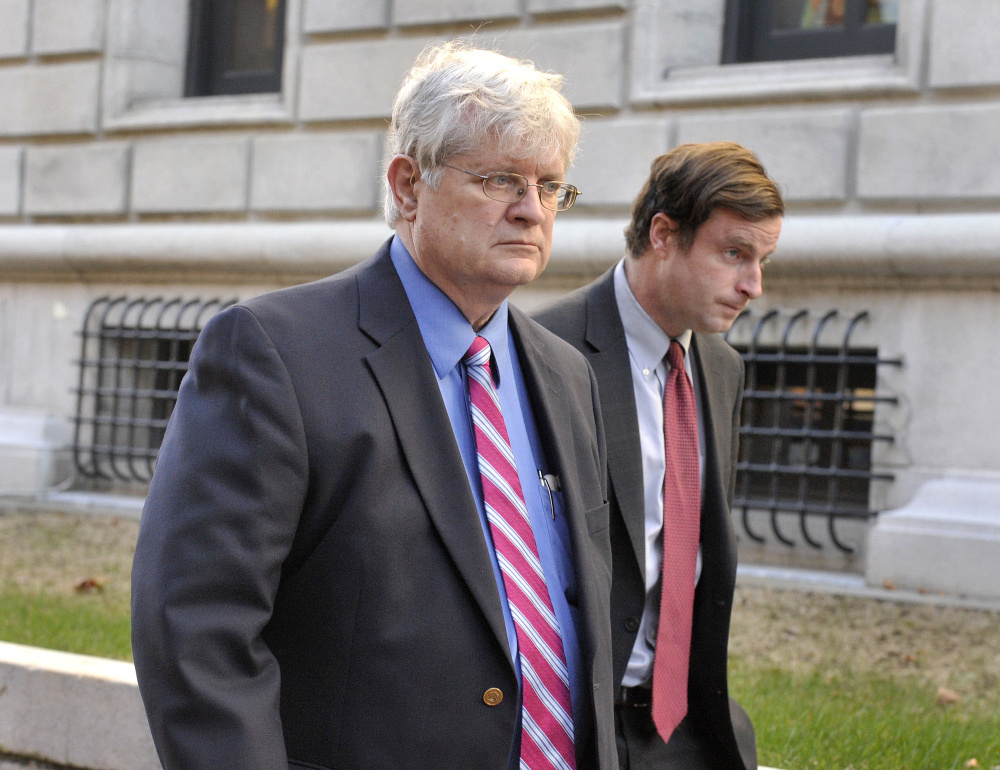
(252, 109)
(850, 76)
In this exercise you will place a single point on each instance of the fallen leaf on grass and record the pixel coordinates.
(946, 696)
(91, 584)
(972, 763)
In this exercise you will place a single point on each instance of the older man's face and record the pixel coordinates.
(478, 250)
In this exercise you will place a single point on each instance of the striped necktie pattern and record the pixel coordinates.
(546, 711)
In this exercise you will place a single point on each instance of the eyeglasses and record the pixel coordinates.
(507, 187)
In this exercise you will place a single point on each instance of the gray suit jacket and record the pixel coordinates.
(311, 586)
(588, 319)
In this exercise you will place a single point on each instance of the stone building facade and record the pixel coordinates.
(112, 182)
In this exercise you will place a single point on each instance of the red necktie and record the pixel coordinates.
(681, 526)
(546, 711)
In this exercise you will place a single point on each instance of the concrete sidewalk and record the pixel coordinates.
(72, 710)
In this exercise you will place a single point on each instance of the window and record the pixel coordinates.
(235, 47)
(778, 30)
(808, 426)
(133, 356)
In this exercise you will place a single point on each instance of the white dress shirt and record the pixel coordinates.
(647, 348)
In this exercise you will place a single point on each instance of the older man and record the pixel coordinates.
(701, 230)
(356, 551)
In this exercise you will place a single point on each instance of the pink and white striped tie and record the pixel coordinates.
(546, 712)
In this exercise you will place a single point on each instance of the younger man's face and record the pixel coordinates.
(707, 285)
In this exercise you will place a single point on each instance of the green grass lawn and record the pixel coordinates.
(830, 682)
(90, 624)
(861, 721)
(65, 582)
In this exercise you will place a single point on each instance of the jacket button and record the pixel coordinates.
(492, 697)
(631, 625)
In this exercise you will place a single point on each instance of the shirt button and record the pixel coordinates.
(645, 372)
(492, 697)
(631, 625)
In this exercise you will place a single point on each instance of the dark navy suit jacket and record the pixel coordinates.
(311, 586)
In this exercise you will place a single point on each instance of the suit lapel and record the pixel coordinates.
(609, 357)
(404, 373)
(715, 418)
(546, 393)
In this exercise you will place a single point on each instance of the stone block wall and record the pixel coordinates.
(91, 90)
(112, 181)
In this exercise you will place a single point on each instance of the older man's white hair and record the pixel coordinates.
(456, 97)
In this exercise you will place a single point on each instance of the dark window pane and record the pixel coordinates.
(235, 47)
(777, 30)
(253, 38)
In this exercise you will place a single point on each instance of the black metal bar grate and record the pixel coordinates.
(808, 424)
(133, 355)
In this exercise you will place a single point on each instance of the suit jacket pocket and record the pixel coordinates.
(598, 518)
(293, 763)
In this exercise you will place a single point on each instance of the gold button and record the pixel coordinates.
(492, 697)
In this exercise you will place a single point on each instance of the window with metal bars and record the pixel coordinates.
(808, 426)
(134, 353)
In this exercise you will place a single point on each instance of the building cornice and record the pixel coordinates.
(867, 247)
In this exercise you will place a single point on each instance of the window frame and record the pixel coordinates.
(677, 61)
(144, 70)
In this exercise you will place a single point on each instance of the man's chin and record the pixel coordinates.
(520, 272)
(719, 325)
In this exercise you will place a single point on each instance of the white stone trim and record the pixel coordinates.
(947, 539)
(247, 251)
(660, 76)
(904, 245)
(72, 709)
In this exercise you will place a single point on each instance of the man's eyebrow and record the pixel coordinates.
(744, 243)
(739, 240)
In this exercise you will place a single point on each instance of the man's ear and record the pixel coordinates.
(402, 176)
(663, 233)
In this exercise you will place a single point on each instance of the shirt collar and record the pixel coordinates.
(646, 341)
(446, 332)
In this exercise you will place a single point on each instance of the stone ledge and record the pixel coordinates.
(72, 710)
(946, 539)
(871, 247)
(34, 451)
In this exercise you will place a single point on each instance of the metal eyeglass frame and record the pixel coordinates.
(571, 192)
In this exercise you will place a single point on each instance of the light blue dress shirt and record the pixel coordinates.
(447, 335)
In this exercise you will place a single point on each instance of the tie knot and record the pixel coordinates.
(478, 355)
(675, 355)
(478, 352)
